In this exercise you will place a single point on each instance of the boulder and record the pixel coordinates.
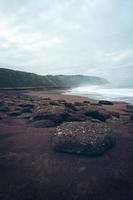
(86, 138)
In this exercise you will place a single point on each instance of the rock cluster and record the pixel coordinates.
(57, 112)
(81, 127)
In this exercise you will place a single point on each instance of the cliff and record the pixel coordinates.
(17, 79)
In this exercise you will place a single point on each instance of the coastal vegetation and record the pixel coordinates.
(22, 80)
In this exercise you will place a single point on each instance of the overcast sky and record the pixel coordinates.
(93, 37)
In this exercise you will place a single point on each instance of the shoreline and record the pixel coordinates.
(58, 94)
(55, 92)
(118, 106)
(102, 93)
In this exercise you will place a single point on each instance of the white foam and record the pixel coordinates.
(107, 93)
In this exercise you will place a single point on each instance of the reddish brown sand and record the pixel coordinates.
(31, 170)
(56, 95)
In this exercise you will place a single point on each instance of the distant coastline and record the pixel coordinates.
(11, 79)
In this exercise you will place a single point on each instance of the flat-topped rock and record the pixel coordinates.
(86, 138)
(55, 114)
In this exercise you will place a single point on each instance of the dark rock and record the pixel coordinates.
(77, 108)
(126, 118)
(129, 106)
(78, 104)
(3, 116)
(104, 102)
(61, 101)
(26, 110)
(1, 103)
(70, 106)
(115, 114)
(16, 107)
(27, 105)
(44, 103)
(47, 99)
(95, 104)
(19, 96)
(87, 138)
(128, 110)
(54, 103)
(86, 102)
(4, 108)
(131, 117)
(100, 115)
(70, 117)
(57, 114)
(14, 113)
(25, 116)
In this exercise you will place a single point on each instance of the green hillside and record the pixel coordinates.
(17, 79)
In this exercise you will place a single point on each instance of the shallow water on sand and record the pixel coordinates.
(104, 93)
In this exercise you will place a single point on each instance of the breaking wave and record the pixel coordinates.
(105, 93)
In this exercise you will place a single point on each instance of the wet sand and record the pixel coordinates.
(57, 95)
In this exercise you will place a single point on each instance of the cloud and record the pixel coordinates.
(66, 36)
(122, 55)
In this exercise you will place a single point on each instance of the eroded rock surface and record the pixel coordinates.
(87, 138)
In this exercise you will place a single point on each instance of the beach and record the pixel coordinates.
(30, 169)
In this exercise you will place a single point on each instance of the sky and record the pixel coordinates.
(91, 37)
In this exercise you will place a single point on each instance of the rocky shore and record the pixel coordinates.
(55, 146)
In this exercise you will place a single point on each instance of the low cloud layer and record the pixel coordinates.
(68, 37)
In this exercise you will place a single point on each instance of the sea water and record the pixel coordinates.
(103, 93)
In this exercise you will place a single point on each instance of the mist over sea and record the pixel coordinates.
(104, 93)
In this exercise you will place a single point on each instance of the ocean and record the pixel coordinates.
(103, 93)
